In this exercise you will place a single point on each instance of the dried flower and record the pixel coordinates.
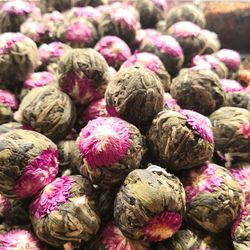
(214, 198)
(66, 207)
(28, 162)
(150, 204)
(109, 148)
(83, 75)
(170, 102)
(180, 140)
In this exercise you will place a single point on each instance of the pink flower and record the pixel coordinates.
(38, 79)
(37, 174)
(185, 29)
(210, 60)
(8, 99)
(232, 86)
(169, 101)
(245, 129)
(87, 12)
(51, 197)
(199, 123)
(8, 40)
(200, 180)
(4, 206)
(104, 141)
(230, 57)
(161, 4)
(18, 239)
(162, 226)
(19, 8)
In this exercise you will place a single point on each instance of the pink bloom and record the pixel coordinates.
(113, 49)
(230, 57)
(199, 123)
(185, 29)
(104, 141)
(33, 29)
(232, 86)
(8, 99)
(162, 226)
(210, 60)
(201, 180)
(169, 101)
(112, 71)
(245, 129)
(4, 206)
(37, 174)
(19, 239)
(8, 40)
(19, 8)
(87, 12)
(161, 4)
(38, 79)
(51, 197)
(78, 32)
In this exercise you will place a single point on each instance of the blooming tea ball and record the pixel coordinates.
(167, 49)
(107, 149)
(18, 58)
(17, 239)
(83, 75)
(48, 111)
(114, 50)
(136, 95)
(198, 90)
(231, 128)
(28, 162)
(241, 230)
(212, 42)
(214, 198)
(150, 204)
(64, 213)
(180, 139)
(190, 38)
(151, 62)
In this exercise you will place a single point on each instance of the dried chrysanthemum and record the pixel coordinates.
(8, 103)
(151, 62)
(17, 239)
(4, 206)
(151, 11)
(6, 127)
(241, 230)
(231, 59)
(212, 42)
(136, 95)
(212, 63)
(64, 213)
(190, 38)
(214, 198)
(149, 204)
(114, 50)
(13, 14)
(180, 140)
(18, 58)
(167, 49)
(198, 90)
(107, 149)
(48, 111)
(83, 75)
(170, 102)
(28, 162)
(231, 128)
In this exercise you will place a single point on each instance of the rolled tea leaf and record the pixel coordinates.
(149, 204)
(180, 140)
(28, 162)
(64, 213)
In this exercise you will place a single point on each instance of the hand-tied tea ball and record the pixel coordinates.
(48, 111)
(214, 198)
(151, 62)
(180, 140)
(8, 103)
(149, 204)
(212, 42)
(151, 11)
(64, 213)
(114, 50)
(16, 239)
(83, 75)
(231, 128)
(212, 63)
(28, 162)
(108, 148)
(167, 49)
(231, 59)
(198, 90)
(13, 14)
(241, 230)
(136, 95)
(18, 58)
(190, 38)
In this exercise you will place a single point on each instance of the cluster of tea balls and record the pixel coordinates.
(123, 125)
